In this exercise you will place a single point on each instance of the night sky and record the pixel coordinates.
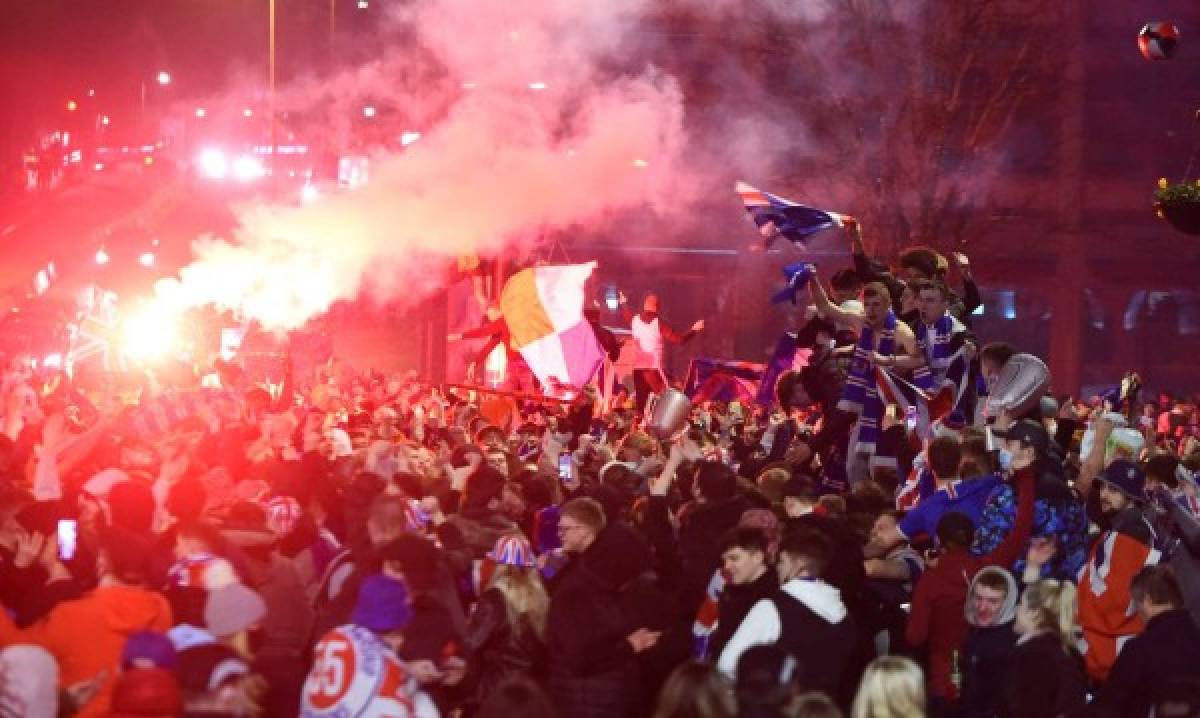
(53, 51)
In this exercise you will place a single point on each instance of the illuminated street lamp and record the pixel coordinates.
(101, 256)
(105, 120)
(369, 111)
(72, 105)
(201, 112)
(163, 77)
(147, 259)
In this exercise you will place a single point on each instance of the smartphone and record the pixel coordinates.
(68, 535)
(564, 466)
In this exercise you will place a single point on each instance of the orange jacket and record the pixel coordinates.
(86, 635)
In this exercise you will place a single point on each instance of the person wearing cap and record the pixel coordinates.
(1059, 513)
(506, 632)
(86, 636)
(1115, 558)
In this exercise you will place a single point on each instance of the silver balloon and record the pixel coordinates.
(1019, 386)
(666, 415)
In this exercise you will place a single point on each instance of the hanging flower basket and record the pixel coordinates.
(1179, 204)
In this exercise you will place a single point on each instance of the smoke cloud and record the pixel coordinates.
(532, 121)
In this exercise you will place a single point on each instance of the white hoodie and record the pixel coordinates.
(762, 626)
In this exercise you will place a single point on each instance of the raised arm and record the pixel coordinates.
(828, 310)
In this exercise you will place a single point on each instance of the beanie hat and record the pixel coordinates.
(147, 649)
(513, 550)
(233, 609)
(147, 692)
(382, 605)
(1126, 477)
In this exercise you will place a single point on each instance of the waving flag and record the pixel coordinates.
(778, 217)
(543, 307)
(931, 400)
(798, 275)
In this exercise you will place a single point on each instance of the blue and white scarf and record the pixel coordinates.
(934, 342)
(861, 395)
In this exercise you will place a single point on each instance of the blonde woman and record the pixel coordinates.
(1046, 676)
(505, 634)
(891, 687)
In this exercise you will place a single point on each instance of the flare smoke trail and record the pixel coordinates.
(531, 131)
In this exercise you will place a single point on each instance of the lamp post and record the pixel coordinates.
(271, 84)
(162, 78)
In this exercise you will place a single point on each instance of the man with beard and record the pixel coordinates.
(1116, 557)
(650, 336)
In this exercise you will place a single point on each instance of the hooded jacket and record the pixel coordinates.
(764, 624)
(937, 617)
(86, 636)
(986, 650)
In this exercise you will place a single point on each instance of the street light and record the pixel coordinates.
(147, 259)
(105, 120)
(101, 256)
(201, 112)
(163, 77)
(72, 105)
(369, 111)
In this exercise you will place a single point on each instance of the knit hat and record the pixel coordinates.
(147, 692)
(513, 550)
(1126, 477)
(382, 605)
(233, 609)
(207, 667)
(147, 649)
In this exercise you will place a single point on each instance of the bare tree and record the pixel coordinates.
(904, 110)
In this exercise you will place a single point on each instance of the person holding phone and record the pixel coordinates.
(86, 636)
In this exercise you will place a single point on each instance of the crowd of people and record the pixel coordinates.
(357, 544)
